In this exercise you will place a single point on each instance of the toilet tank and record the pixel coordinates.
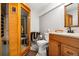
(46, 36)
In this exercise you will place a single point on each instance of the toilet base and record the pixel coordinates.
(42, 45)
(42, 53)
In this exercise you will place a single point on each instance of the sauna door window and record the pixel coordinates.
(23, 28)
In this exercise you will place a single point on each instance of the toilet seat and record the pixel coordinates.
(41, 42)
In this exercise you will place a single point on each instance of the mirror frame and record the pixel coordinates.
(65, 15)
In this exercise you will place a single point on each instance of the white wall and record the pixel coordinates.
(35, 17)
(34, 21)
(54, 20)
(50, 18)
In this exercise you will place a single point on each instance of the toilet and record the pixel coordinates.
(42, 45)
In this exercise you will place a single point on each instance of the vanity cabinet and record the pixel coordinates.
(60, 45)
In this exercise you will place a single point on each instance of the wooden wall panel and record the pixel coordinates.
(0, 33)
(14, 35)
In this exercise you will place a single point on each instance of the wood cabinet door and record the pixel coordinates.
(54, 48)
(69, 51)
(14, 28)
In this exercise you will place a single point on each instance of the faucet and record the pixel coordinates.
(70, 30)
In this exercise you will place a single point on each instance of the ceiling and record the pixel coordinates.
(38, 6)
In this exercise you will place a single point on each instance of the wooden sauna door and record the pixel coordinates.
(25, 29)
(14, 11)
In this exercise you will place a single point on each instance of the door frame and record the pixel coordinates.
(27, 9)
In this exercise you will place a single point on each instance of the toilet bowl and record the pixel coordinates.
(42, 44)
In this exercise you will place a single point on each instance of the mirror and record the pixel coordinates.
(71, 15)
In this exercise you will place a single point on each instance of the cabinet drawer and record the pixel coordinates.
(52, 37)
(69, 51)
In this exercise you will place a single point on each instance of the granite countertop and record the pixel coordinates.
(75, 35)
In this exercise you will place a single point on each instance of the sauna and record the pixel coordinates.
(14, 29)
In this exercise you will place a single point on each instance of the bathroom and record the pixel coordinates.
(50, 17)
(34, 26)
